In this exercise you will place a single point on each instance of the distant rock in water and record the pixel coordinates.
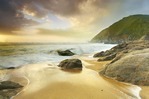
(71, 64)
(131, 64)
(9, 89)
(127, 29)
(65, 53)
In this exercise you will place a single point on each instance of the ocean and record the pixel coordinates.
(19, 54)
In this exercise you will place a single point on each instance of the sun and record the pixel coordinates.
(2, 38)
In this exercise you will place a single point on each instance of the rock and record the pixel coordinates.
(71, 64)
(123, 48)
(100, 54)
(65, 53)
(10, 68)
(132, 68)
(107, 58)
(9, 85)
(117, 57)
(9, 89)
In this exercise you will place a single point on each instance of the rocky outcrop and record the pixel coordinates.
(9, 89)
(121, 50)
(65, 53)
(131, 63)
(132, 68)
(71, 64)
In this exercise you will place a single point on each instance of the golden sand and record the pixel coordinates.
(144, 92)
(43, 81)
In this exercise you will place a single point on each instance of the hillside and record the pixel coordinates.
(129, 28)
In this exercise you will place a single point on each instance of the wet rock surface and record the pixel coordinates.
(65, 53)
(71, 64)
(9, 89)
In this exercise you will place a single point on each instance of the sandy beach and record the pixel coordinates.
(47, 81)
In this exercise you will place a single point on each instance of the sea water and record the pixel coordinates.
(19, 54)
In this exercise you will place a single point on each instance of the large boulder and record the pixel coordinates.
(71, 64)
(132, 68)
(65, 53)
(9, 89)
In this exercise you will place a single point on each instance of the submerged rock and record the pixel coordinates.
(9, 89)
(65, 53)
(71, 64)
(132, 68)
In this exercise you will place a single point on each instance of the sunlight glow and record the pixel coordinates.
(2, 38)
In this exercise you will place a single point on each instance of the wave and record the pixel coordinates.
(14, 55)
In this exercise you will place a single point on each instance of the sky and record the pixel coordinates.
(62, 20)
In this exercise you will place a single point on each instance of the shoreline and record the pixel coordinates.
(53, 80)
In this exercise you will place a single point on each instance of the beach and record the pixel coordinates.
(47, 81)
(43, 79)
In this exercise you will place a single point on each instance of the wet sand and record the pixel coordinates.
(144, 92)
(43, 81)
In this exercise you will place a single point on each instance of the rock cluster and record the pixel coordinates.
(131, 63)
(120, 50)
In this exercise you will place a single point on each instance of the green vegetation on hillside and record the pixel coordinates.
(127, 29)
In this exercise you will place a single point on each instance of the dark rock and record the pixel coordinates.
(119, 56)
(71, 64)
(107, 58)
(9, 89)
(65, 53)
(9, 85)
(10, 68)
(100, 54)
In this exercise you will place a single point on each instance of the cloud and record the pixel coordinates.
(86, 17)
(10, 17)
(15, 14)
